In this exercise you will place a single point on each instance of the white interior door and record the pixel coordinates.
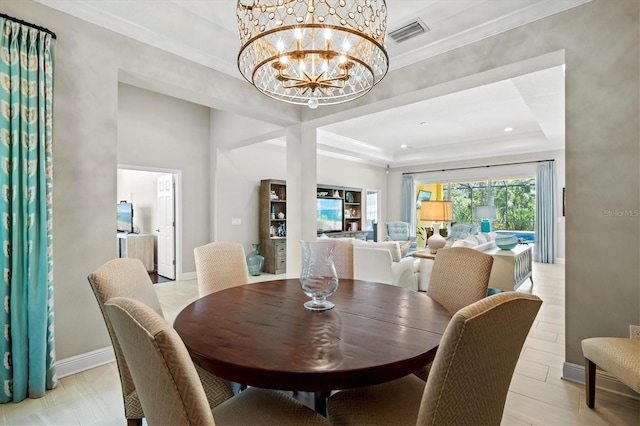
(166, 227)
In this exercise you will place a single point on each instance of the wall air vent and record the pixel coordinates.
(412, 29)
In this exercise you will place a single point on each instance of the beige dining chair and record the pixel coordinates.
(343, 258)
(220, 265)
(168, 384)
(129, 278)
(618, 356)
(470, 377)
(460, 277)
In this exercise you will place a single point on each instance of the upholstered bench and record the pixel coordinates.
(616, 355)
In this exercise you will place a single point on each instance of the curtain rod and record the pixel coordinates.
(476, 167)
(37, 27)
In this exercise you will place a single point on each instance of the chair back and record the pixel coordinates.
(398, 230)
(124, 278)
(220, 265)
(343, 258)
(166, 380)
(460, 277)
(472, 370)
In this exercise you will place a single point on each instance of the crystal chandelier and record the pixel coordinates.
(313, 52)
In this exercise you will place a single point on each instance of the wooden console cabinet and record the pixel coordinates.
(273, 225)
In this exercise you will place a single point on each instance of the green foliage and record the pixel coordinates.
(514, 200)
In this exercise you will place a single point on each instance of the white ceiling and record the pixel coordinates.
(458, 126)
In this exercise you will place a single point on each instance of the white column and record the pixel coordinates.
(301, 193)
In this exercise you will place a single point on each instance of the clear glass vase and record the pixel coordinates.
(318, 279)
(255, 261)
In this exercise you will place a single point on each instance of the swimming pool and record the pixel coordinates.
(528, 236)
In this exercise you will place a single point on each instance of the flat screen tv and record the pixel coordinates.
(330, 211)
(125, 217)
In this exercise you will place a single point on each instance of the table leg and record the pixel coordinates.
(321, 402)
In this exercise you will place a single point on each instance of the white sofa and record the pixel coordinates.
(480, 242)
(382, 262)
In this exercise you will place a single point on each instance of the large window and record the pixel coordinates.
(514, 200)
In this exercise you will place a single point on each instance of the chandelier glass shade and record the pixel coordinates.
(313, 52)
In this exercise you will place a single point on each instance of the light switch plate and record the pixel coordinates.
(236, 221)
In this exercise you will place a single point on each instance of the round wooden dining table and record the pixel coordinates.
(261, 335)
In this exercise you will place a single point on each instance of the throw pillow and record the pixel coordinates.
(462, 243)
(489, 236)
(404, 248)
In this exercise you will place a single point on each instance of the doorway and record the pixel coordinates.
(141, 186)
(373, 214)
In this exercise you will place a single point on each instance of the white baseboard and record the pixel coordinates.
(604, 380)
(76, 364)
(185, 276)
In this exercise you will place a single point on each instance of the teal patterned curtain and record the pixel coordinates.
(26, 111)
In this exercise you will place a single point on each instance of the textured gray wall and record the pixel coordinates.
(600, 41)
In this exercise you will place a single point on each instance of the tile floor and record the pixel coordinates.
(537, 395)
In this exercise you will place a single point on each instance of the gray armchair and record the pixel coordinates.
(399, 231)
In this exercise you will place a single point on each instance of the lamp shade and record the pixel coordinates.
(436, 211)
(485, 212)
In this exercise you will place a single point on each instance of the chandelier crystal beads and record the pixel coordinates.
(313, 52)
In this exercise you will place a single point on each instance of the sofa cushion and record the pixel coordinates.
(392, 246)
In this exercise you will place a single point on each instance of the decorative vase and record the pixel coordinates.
(506, 241)
(318, 279)
(255, 261)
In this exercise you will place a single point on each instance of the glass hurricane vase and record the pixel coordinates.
(318, 279)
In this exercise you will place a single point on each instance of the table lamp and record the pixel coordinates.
(436, 211)
(485, 213)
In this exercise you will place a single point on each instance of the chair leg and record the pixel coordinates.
(590, 382)
(134, 422)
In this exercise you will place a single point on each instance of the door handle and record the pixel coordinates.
(157, 230)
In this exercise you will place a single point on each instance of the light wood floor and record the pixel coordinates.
(537, 395)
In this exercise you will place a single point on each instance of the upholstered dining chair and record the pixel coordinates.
(220, 265)
(343, 258)
(168, 384)
(129, 278)
(460, 277)
(470, 377)
(616, 355)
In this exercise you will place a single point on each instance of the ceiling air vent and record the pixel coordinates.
(412, 29)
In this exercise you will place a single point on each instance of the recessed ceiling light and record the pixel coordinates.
(508, 129)
(403, 146)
